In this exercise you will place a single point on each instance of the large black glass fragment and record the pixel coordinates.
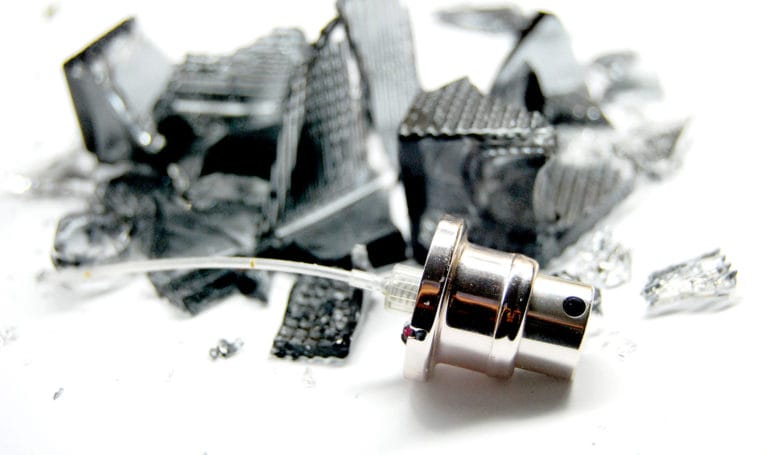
(477, 157)
(327, 198)
(542, 74)
(224, 215)
(114, 84)
(231, 104)
(320, 319)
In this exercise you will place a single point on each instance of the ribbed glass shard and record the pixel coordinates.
(576, 189)
(320, 319)
(380, 31)
(114, 84)
(327, 198)
(704, 283)
(244, 90)
(542, 74)
(228, 108)
(322, 146)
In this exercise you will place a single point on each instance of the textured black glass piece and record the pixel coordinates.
(476, 157)
(576, 189)
(194, 291)
(115, 83)
(231, 105)
(320, 319)
(327, 199)
(542, 74)
(330, 155)
(380, 32)
(244, 89)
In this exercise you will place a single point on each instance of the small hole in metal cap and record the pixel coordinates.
(574, 306)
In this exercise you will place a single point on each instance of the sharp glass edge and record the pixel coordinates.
(704, 283)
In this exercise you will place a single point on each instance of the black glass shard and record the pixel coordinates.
(620, 74)
(330, 157)
(320, 319)
(225, 349)
(234, 102)
(542, 74)
(225, 220)
(576, 189)
(596, 259)
(507, 20)
(380, 32)
(242, 89)
(365, 223)
(654, 149)
(114, 84)
(231, 190)
(91, 238)
(134, 193)
(327, 198)
(704, 283)
(476, 157)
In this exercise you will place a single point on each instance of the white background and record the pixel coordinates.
(135, 371)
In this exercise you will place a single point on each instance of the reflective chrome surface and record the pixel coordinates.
(490, 311)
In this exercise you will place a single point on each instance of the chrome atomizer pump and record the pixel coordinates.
(487, 310)
(472, 307)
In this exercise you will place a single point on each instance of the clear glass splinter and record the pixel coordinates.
(399, 287)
